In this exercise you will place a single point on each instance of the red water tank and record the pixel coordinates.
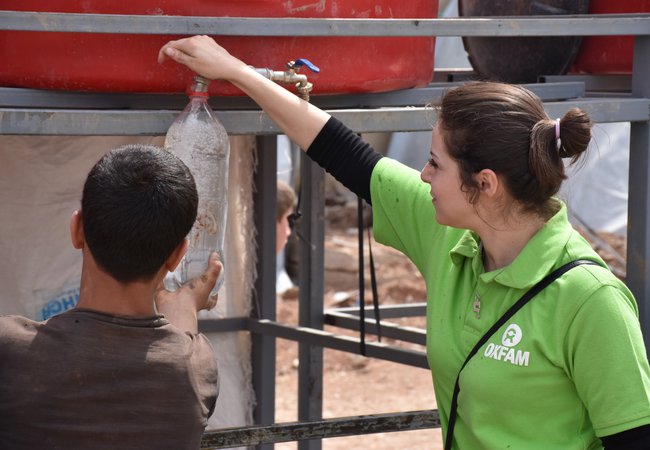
(127, 62)
(608, 54)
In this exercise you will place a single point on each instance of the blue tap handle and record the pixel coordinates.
(305, 62)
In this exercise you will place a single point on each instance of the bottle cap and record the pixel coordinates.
(199, 86)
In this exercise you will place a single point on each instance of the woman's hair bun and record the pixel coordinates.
(575, 133)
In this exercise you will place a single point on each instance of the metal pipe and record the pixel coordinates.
(290, 75)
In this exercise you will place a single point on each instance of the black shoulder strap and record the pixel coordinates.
(532, 292)
(362, 282)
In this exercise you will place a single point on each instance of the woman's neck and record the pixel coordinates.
(502, 245)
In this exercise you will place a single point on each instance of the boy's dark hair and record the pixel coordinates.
(139, 202)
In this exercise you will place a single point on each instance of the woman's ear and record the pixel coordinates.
(488, 183)
(77, 230)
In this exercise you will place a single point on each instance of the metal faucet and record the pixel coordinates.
(291, 75)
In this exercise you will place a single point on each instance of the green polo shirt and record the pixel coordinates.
(568, 367)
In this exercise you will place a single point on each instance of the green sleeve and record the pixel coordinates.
(403, 214)
(607, 361)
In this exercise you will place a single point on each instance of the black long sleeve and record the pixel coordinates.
(635, 439)
(346, 156)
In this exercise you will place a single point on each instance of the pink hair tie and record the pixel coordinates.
(558, 141)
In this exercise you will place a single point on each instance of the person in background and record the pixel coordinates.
(284, 207)
(286, 201)
(482, 224)
(127, 367)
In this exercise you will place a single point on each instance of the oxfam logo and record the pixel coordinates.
(512, 335)
(505, 352)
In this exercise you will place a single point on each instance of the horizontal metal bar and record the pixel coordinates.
(579, 25)
(387, 311)
(338, 318)
(322, 429)
(447, 74)
(607, 83)
(155, 123)
(85, 122)
(223, 325)
(41, 98)
(348, 344)
(432, 93)
(602, 94)
(565, 90)
(45, 98)
(322, 338)
(388, 329)
(605, 110)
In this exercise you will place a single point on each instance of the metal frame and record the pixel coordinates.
(351, 321)
(638, 224)
(579, 25)
(26, 111)
(29, 98)
(32, 112)
(302, 431)
(263, 354)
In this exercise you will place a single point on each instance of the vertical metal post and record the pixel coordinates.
(264, 303)
(311, 280)
(638, 226)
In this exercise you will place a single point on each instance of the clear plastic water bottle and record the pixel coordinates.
(201, 142)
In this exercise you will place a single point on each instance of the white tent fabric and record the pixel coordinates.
(596, 189)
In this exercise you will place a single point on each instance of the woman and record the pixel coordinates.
(569, 370)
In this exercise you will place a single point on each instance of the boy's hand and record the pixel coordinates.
(180, 307)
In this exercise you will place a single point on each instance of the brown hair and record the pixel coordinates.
(504, 128)
(286, 199)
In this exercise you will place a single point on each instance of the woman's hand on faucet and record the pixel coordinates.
(298, 119)
(202, 55)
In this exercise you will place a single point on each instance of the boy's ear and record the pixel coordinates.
(176, 256)
(77, 230)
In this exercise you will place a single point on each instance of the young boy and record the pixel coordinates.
(126, 368)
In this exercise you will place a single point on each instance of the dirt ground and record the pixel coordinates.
(356, 385)
(353, 384)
